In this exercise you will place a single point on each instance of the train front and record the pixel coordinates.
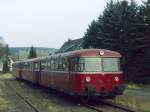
(99, 74)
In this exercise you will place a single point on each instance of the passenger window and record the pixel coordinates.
(31, 66)
(43, 65)
(36, 66)
(49, 65)
(62, 64)
(25, 66)
(56, 65)
(52, 65)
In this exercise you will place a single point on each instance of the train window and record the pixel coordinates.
(49, 65)
(43, 65)
(25, 65)
(86, 64)
(90, 64)
(56, 65)
(111, 64)
(36, 66)
(31, 66)
(52, 65)
(62, 64)
(74, 64)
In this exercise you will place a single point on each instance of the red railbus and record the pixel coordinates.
(88, 72)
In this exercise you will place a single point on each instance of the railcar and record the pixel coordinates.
(88, 72)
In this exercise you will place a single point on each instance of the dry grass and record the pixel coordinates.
(136, 98)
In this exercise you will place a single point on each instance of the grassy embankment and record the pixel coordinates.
(136, 96)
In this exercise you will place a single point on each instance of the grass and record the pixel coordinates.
(9, 101)
(1, 65)
(136, 96)
(139, 87)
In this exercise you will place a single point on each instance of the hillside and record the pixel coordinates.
(21, 53)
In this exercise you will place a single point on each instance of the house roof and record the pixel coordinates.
(71, 45)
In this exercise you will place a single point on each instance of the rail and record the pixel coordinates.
(23, 98)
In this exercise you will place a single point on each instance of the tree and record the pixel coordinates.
(6, 65)
(90, 36)
(6, 59)
(140, 44)
(108, 31)
(32, 53)
(2, 47)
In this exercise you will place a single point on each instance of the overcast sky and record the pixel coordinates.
(46, 23)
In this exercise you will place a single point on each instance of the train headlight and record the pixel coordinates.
(88, 79)
(116, 79)
(101, 52)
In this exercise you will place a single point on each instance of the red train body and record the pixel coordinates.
(94, 72)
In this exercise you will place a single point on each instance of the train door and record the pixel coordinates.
(37, 72)
(71, 77)
(19, 70)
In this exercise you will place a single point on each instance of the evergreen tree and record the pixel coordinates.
(110, 29)
(6, 62)
(2, 47)
(32, 53)
(90, 36)
(6, 65)
(7, 52)
(140, 45)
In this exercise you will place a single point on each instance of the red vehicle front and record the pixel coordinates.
(97, 73)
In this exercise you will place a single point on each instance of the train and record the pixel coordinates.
(83, 73)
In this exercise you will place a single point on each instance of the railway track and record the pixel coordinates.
(97, 108)
(22, 98)
(121, 107)
(92, 107)
(109, 104)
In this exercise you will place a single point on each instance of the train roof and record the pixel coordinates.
(80, 53)
(95, 52)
